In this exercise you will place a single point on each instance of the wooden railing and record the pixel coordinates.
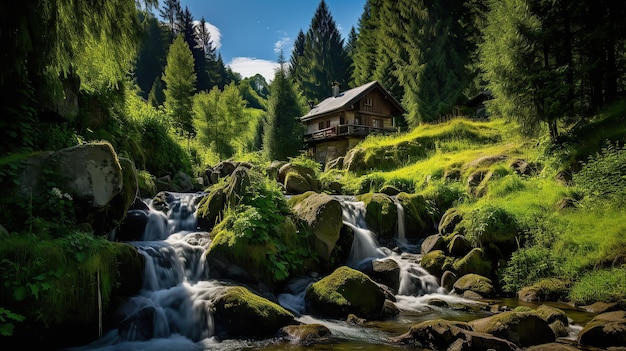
(346, 130)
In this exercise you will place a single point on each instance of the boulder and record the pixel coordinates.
(381, 214)
(210, 208)
(475, 283)
(323, 215)
(605, 330)
(440, 334)
(418, 215)
(449, 220)
(436, 262)
(522, 328)
(432, 243)
(346, 291)
(387, 272)
(239, 313)
(459, 246)
(474, 262)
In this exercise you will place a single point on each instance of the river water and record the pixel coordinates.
(176, 292)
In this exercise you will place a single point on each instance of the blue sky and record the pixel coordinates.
(250, 33)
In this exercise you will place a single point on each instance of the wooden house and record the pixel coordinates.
(339, 122)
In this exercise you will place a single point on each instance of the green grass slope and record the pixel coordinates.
(567, 198)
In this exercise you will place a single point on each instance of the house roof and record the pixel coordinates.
(347, 98)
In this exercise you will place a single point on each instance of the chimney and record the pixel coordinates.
(335, 88)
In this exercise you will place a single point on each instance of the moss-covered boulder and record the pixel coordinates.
(474, 262)
(323, 215)
(418, 214)
(298, 179)
(242, 314)
(346, 291)
(210, 208)
(432, 243)
(522, 328)
(130, 185)
(449, 221)
(441, 334)
(459, 246)
(475, 283)
(605, 330)
(381, 214)
(436, 262)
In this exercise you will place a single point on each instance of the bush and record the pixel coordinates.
(603, 175)
(526, 267)
(603, 285)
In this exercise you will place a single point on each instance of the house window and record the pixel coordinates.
(357, 119)
(342, 118)
(328, 124)
(320, 125)
(377, 123)
(367, 101)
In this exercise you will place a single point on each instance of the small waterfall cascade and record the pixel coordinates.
(414, 280)
(172, 310)
(364, 246)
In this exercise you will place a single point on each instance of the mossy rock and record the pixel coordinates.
(476, 283)
(323, 216)
(432, 243)
(418, 214)
(210, 208)
(474, 262)
(242, 314)
(449, 221)
(522, 328)
(306, 334)
(605, 330)
(436, 262)
(381, 214)
(130, 185)
(346, 291)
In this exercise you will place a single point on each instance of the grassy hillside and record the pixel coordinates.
(568, 206)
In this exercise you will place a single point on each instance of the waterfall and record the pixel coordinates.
(401, 225)
(364, 245)
(414, 280)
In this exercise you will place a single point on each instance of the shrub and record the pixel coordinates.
(602, 285)
(526, 267)
(603, 175)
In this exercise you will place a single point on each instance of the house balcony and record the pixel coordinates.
(345, 130)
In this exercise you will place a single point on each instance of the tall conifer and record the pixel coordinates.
(282, 134)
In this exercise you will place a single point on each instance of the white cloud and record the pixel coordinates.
(250, 66)
(282, 44)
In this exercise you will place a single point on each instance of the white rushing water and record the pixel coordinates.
(172, 311)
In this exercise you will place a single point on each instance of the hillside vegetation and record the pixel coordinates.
(566, 200)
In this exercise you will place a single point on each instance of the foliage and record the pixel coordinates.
(602, 285)
(180, 79)
(261, 232)
(527, 266)
(36, 272)
(323, 60)
(282, 133)
(603, 175)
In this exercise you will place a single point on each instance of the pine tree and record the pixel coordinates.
(170, 12)
(295, 70)
(324, 60)
(282, 134)
(179, 78)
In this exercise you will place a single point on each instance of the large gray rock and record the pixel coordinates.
(239, 313)
(440, 334)
(346, 291)
(605, 330)
(323, 214)
(522, 328)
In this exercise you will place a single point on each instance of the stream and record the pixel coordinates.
(176, 292)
